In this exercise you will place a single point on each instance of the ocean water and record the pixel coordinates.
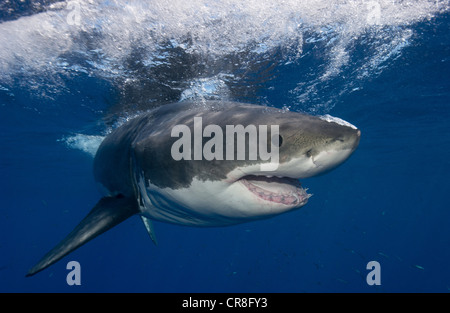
(72, 71)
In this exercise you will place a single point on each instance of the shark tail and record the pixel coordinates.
(107, 213)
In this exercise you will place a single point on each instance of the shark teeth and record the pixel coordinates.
(283, 190)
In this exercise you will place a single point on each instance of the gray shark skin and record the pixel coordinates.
(135, 169)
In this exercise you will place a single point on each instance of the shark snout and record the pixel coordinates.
(356, 139)
(339, 151)
(353, 139)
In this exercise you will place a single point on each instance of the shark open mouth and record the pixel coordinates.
(284, 190)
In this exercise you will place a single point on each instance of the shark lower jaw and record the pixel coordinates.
(280, 190)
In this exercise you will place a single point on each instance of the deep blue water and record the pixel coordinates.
(387, 203)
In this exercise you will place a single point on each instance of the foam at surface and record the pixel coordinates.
(107, 32)
(200, 48)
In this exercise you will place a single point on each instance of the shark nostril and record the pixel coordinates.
(309, 153)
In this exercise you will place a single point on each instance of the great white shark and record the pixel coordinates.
(136, 171)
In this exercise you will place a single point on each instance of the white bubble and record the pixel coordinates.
(85, 143)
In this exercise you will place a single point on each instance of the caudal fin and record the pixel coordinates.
(106, 214)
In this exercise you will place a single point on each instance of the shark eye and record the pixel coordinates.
(280, 140)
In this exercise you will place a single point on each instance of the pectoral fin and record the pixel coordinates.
(107, 213)
(149, 226)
